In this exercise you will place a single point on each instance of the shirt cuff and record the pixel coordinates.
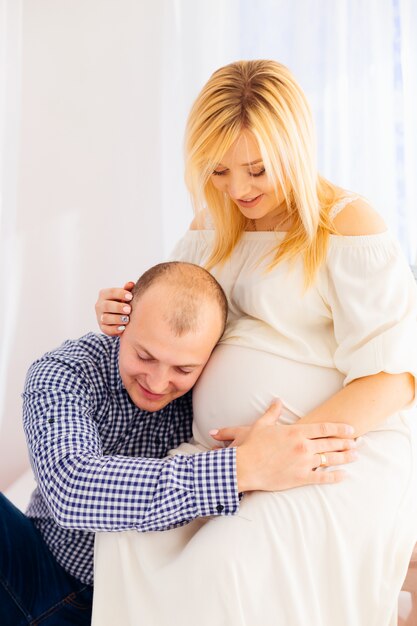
(215, 482)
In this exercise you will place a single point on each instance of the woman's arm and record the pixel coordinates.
(365, 402)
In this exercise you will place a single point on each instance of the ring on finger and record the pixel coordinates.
(323, 459)
(124, 319)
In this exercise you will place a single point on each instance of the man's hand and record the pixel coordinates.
(272, 457)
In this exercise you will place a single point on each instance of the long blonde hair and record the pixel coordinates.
(264, 98)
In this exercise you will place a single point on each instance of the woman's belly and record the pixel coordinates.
(238, 384)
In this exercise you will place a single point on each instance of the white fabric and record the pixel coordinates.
(322, 556)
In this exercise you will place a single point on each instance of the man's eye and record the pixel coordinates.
(181, 371)
(143, 358)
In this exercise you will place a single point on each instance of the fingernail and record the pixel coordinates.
(126, 309)
(121, 327)
(213, 432)
(350, 430)
(101, 317)
(128, 296)
(124, 319)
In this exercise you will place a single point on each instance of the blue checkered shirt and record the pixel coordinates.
(98, 459)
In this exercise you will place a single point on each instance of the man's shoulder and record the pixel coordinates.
(92, 346)
(90, 354)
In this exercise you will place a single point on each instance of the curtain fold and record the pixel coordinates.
(11, 279)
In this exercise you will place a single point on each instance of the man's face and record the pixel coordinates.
(155, 365)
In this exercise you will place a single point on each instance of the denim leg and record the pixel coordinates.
(34, 588)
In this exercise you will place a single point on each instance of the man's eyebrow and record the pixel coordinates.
(190, 365)
(139, 347)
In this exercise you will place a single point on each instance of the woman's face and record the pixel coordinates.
(241, 175)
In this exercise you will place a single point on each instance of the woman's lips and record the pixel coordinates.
(249, 204)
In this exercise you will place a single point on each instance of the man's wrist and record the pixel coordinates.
(244, 470)
(215, 482)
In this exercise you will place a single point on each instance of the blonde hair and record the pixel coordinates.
(264, 98)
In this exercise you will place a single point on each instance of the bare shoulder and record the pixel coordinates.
(199, 221)
(359, 218)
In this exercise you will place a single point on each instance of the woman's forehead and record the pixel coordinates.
(243, 151)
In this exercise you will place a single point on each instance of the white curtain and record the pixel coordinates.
(357, 61)
(93, 100)
(10, 269)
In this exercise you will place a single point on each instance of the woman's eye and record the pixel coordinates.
(219, 173)
(256, 174)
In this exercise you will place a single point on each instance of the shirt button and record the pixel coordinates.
(219, 508)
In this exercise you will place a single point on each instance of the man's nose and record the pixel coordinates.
(158, 380)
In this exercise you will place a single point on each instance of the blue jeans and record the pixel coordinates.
(34, 588)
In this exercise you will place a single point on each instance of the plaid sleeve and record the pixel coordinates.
(85, 490)
(197, 485)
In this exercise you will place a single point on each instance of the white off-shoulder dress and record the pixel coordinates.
(329, 555)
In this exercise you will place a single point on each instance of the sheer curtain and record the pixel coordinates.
(93, 101)
(10, 268)
(357, 62)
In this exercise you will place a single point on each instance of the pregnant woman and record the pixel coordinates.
(323, 314)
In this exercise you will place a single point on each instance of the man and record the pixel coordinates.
(100, 414)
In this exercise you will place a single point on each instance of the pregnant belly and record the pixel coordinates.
(239, 383)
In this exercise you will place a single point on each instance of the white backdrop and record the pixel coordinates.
(93, 100)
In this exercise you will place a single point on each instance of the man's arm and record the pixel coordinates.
(87, 490)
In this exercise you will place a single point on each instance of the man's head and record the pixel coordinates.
(178, 315)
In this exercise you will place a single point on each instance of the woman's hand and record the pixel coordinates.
(113, 309)
(231, 437)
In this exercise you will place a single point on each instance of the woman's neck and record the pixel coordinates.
(279, 220)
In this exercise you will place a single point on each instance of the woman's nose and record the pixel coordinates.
(238, 187)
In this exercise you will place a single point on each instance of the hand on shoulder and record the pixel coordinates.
(359, 218)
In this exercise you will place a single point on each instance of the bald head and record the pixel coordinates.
(184, 290)
(178, 316)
